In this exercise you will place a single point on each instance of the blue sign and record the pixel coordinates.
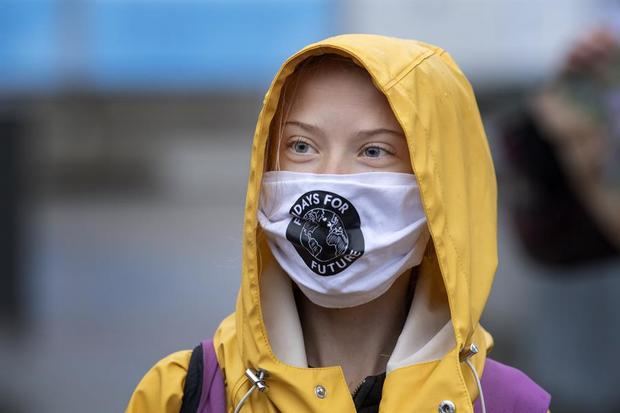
(153, 44)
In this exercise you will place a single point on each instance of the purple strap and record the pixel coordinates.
(213, 397)
(508, 390)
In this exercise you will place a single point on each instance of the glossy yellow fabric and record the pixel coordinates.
(161, 389)
(435, 105)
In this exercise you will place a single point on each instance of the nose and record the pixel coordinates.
(335, 164)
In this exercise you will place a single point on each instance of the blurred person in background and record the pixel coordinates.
(579, 114)
(566, 149)
(564, 156)
(369, 249)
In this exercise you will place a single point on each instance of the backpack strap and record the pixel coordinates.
(192, 389)
(204, 391)
(509, 390)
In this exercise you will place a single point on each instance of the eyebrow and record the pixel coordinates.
(363, 133)
(305, 126)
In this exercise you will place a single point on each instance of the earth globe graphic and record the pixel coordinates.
(323, 234)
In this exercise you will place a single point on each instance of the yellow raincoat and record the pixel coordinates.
(436, 108)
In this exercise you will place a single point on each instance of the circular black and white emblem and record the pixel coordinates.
(325, 230)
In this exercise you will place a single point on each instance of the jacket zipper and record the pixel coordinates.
(357, 389)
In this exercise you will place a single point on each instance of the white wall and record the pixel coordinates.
(494, 41)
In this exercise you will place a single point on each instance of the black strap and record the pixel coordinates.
(192, 389)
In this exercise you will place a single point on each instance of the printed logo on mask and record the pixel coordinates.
(325, 230)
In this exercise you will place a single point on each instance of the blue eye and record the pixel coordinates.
(301, 147)
(373, 151)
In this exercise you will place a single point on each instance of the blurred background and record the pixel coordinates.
(125, 132)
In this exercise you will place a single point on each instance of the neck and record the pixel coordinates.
(359, 339)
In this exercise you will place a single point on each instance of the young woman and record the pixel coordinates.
(369, 249)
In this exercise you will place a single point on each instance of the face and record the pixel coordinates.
(337, 122)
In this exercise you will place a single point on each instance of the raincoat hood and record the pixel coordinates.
(436, 108)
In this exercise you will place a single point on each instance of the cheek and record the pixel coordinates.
(404, 158)
(272, 155)
(278, 159)
(286, 164)
(405, 167)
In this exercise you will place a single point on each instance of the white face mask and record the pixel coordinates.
(343, 239)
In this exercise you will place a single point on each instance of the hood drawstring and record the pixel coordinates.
(257, 378)
(258, 382)
(465, 356)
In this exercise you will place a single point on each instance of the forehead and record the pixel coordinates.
(335, 89)
(327, 77)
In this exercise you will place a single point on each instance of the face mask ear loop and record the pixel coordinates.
(258, 382)
(465, 356)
